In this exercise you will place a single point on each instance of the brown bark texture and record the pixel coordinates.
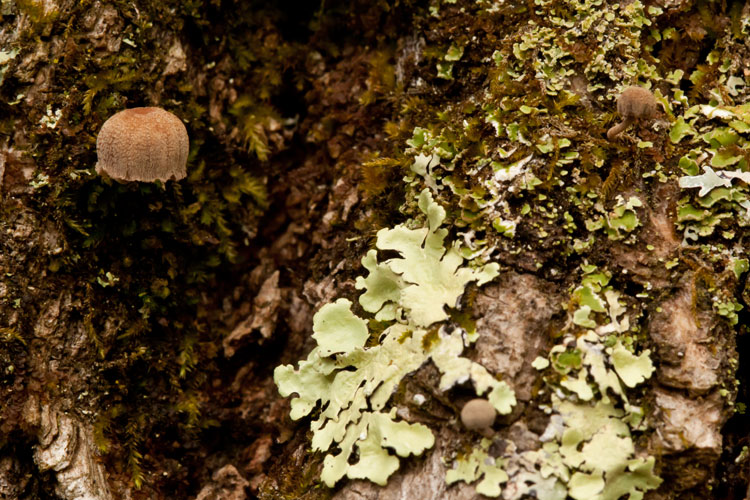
(141, 323)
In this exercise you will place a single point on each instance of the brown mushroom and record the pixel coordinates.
(143, 144)
(478, 415)
(634, 103)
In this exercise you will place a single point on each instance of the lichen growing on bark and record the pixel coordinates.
(352, 383)
(306, 121)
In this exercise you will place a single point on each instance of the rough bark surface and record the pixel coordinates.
(140, 323)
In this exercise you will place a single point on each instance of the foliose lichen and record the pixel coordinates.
(352, 383)
(587, 450)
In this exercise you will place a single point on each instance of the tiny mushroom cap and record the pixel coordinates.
(636, 102)
(143, 144)
(478, 414)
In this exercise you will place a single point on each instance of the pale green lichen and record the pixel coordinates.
(728, 308)
(620, 221)
(631, 369)
(5, 57)
(454, 53)
(588, 452)
(352, 383)
(739, 266)
(505, 227)
(596, 443)
(532, 181)
(720, 151)
(478, 464)
(425, 278)
(445, 67)
(529, 181)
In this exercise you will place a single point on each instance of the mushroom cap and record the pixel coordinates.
(143, 144)
(636, 102)
(478, 414)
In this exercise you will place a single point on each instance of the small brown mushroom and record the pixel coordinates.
(143, 144)
(634, 103)
(478, 415)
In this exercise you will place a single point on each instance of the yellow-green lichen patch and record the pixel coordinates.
(428, 276)
(588, 296)
(5, 57)
(352, 383)
(597, 445)
(588, 449)
(631, 369)
(608, 366)
(620, 221)
(519, 162)
(531, 181)
(479, 465)
(716, 178)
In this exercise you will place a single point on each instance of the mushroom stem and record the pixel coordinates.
(486, 432)
(617, 129)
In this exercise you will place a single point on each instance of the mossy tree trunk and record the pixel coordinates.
(140, 324)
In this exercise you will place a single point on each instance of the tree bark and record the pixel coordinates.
(140, 324)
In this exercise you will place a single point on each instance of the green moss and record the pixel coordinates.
(508, 137)
(40, 13)
(159, 256)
